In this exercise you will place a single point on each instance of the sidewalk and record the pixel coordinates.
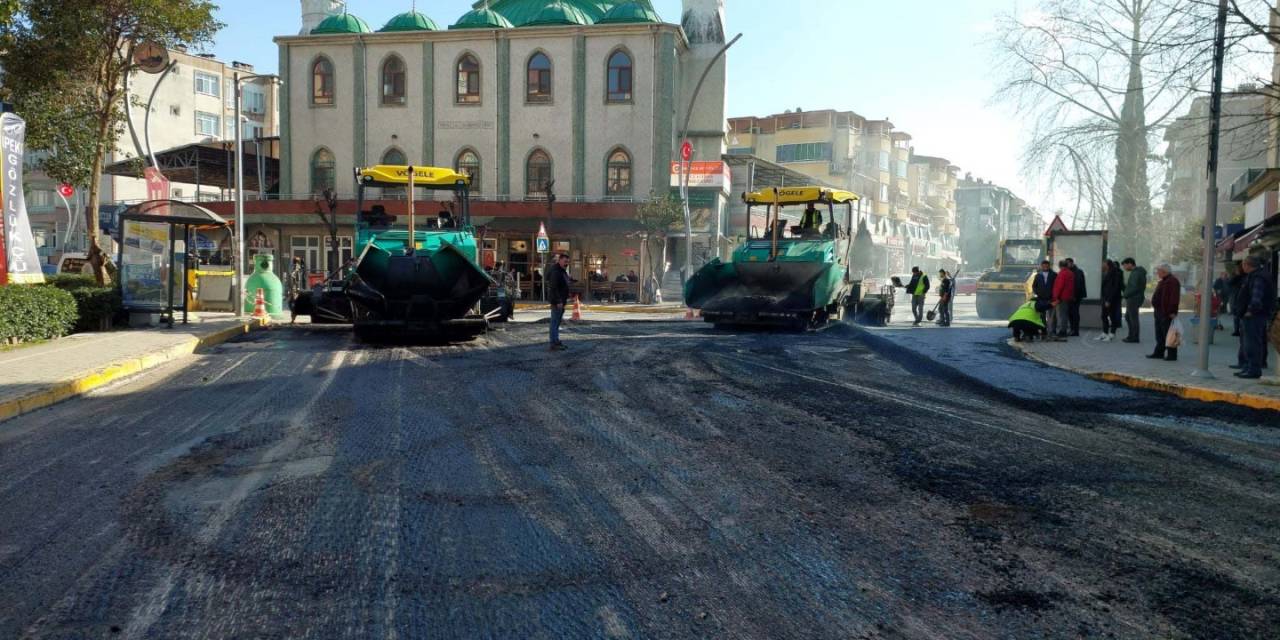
(37, 376)
(1126, 364)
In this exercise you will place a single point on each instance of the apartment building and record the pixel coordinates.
(194, 102)
(987, 214)
(908, 204)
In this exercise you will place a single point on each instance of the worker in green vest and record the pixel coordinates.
(918, 287)
(811, 222)
(1027, 323)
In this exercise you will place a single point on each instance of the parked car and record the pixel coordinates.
(966, 286)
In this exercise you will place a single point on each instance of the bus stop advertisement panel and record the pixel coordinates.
(154, 237)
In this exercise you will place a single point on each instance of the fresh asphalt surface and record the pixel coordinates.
(658, 480)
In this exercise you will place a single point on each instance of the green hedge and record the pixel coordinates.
(35, 313)
(95, 307)
(69, 281)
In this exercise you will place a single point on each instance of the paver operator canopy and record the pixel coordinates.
(814, 199)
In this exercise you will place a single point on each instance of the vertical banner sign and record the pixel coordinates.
(22, 260)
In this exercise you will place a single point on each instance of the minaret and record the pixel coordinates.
(703, 23)
(315, 11)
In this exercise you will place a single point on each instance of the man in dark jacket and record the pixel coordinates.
(918, 287)
(1081, 294)
(558, 296)
(1042, 287)
(946, 290)
(1234, 286)
(1135, 290)
(1259, 302)
(1165, 301)
(1112, 295)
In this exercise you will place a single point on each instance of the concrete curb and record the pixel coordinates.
(1190, 392)
(98, 377)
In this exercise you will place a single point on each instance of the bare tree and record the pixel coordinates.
(1100, 84)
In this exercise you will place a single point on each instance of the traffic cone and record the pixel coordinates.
(260, 308)
(577, 309)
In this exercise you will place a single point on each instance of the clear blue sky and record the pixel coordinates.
(925, 65)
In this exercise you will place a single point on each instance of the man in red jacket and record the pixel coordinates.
(1064, 293)
(1165, 303)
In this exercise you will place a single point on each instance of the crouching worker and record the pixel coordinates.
(1027, 323)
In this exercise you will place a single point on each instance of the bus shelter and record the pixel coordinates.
(154, 256)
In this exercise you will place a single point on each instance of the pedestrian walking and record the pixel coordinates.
(1259, 300)
(1042, 288)
(1064, 291)
(1112, 298)
(558, 295)
(918, 288)
(946, 291)
(1081, 292)
(1135, 290)
(1165, 301)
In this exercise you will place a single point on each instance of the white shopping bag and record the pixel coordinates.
(1174, 339)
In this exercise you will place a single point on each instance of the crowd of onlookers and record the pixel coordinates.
(1247, 291)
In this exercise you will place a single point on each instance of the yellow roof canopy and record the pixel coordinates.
(389, 175)
(799, 195)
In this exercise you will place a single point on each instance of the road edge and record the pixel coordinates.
(115, 371)
(1189, 392)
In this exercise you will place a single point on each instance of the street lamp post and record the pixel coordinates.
(685, 164)
(238, 94)
(1211, 203)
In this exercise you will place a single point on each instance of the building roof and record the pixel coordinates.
(482, 18)
(410, 21)
(526, 12)
(559, 13)
(210, 164)
(630, 12)
(342, 23)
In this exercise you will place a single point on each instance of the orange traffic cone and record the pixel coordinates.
(577, 309)
(260, 308)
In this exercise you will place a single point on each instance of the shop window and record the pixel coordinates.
(538, 84)
(468, 162)
(393, 81)
(619, 80)
(468, 90)
(322, 82)
(323, 174)
(618, 174)
(537, 175)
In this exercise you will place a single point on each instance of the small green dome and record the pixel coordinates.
(411, 21)
(341, 23)
(557, 14)
(482, 19)
(630, 12)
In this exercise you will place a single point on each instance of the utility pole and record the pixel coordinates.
(1211, 204)
(239, 169)
(685, 165)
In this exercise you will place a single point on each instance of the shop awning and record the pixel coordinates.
(559, 227)
(1242, 243)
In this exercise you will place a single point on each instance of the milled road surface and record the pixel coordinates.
(656, 481)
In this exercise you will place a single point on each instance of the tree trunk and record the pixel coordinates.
(97, 259)
(1131, 194)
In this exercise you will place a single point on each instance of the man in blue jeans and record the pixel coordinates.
(558, 296)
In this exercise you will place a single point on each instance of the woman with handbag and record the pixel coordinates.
(1165, 303)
